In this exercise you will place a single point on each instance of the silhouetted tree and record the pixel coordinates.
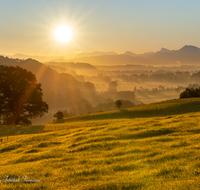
(190, 93)
(20, 96)
(118, 104)
(59, 115)
(127, 104)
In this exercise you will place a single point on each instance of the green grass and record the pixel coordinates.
(161, 152)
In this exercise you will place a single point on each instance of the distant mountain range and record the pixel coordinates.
(39, 58)
(95, 53)
(188, 54)
(79, 68)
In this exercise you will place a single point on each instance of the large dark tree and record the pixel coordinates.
(20, 96)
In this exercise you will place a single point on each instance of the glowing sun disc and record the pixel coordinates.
(63, 33)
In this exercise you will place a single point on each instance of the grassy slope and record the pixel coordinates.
(151, 153)
(165, 108)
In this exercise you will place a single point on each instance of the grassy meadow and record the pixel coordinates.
(155, 146)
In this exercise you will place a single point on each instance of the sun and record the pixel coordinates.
(63, 33)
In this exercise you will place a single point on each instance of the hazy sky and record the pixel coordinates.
(106, 25)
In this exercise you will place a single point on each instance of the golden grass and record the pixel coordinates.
(141, 153)
(165, 108)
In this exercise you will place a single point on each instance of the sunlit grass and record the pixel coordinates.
(166, 108)
(141, 153)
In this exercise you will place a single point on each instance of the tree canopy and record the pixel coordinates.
(20, 96)
(59, 115)
(118, 104)
(190, 93)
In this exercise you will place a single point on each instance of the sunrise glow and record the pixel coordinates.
(63, 33)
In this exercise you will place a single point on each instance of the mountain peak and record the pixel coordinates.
(164, 50)
(130, 53)
(189, 48)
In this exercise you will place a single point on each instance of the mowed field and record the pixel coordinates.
(155, 146)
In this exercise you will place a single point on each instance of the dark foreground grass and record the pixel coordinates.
(151, 153)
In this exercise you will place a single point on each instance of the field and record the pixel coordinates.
(154, 146)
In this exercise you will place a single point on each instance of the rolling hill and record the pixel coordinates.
(44, 74)
(80, 68)
(153, 146)
(186, 55)
(159, 109)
